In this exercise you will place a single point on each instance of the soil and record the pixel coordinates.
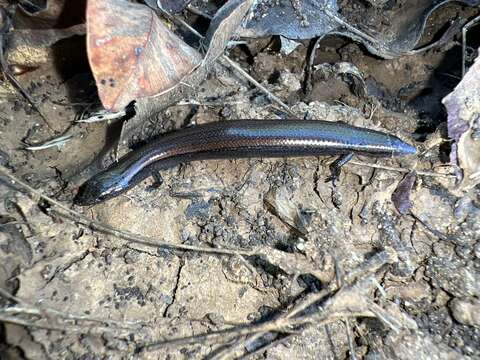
(143, 294)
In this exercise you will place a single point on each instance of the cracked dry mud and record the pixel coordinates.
(144, 294)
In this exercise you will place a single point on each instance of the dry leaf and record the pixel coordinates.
(401, 195)
(132, 53)
(463, 107)
(307, 19)
(224, 24)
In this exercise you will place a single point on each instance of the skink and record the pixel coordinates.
(238, 139)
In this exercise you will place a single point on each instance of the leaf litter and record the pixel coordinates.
(248, 257)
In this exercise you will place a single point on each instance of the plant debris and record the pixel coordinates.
(464, 127)
(240, 258)
(134, 55)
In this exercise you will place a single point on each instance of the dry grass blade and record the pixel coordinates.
(103, 116)
(351, 345)
(77, 329)
(23, 307)
(401, 170)
(57, 142)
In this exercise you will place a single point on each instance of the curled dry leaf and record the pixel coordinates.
(401, 195)
(279, 202)
(307, 19)
(224, 24)
(463, 107)
(132, 53)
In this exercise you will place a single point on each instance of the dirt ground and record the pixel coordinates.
(396, 286)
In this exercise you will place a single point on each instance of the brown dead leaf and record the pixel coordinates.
(222, 27)
(132, 53)
(401, 195)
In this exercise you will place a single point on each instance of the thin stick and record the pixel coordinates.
(353, 29)
(287, 320)
(252, 329)
(262, 88)
(72, 329)
(397, 169)
(121, 234)
(29, 309)
(367, 267)
(351, 346)
(198, 12)
(26, 323)
(267, 346)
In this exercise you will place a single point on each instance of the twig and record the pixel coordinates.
(5, 294)
(381, 314)
(262, 88)
(380, 288)
(257, 329)
(446, 37)
(427, 226)
(397, 169)
(121, 234)
(72, 329)
(474, 176)
(71, 104)
(266, 347)
(351, 346)
(209, 103)
(198, 12)
(351, 28)
(14, 223)
(367, 267)
(309, 70)
(283, 322)
(340, 281)
(30, 309)
(26, 323)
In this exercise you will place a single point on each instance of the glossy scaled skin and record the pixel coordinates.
(238, 139)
